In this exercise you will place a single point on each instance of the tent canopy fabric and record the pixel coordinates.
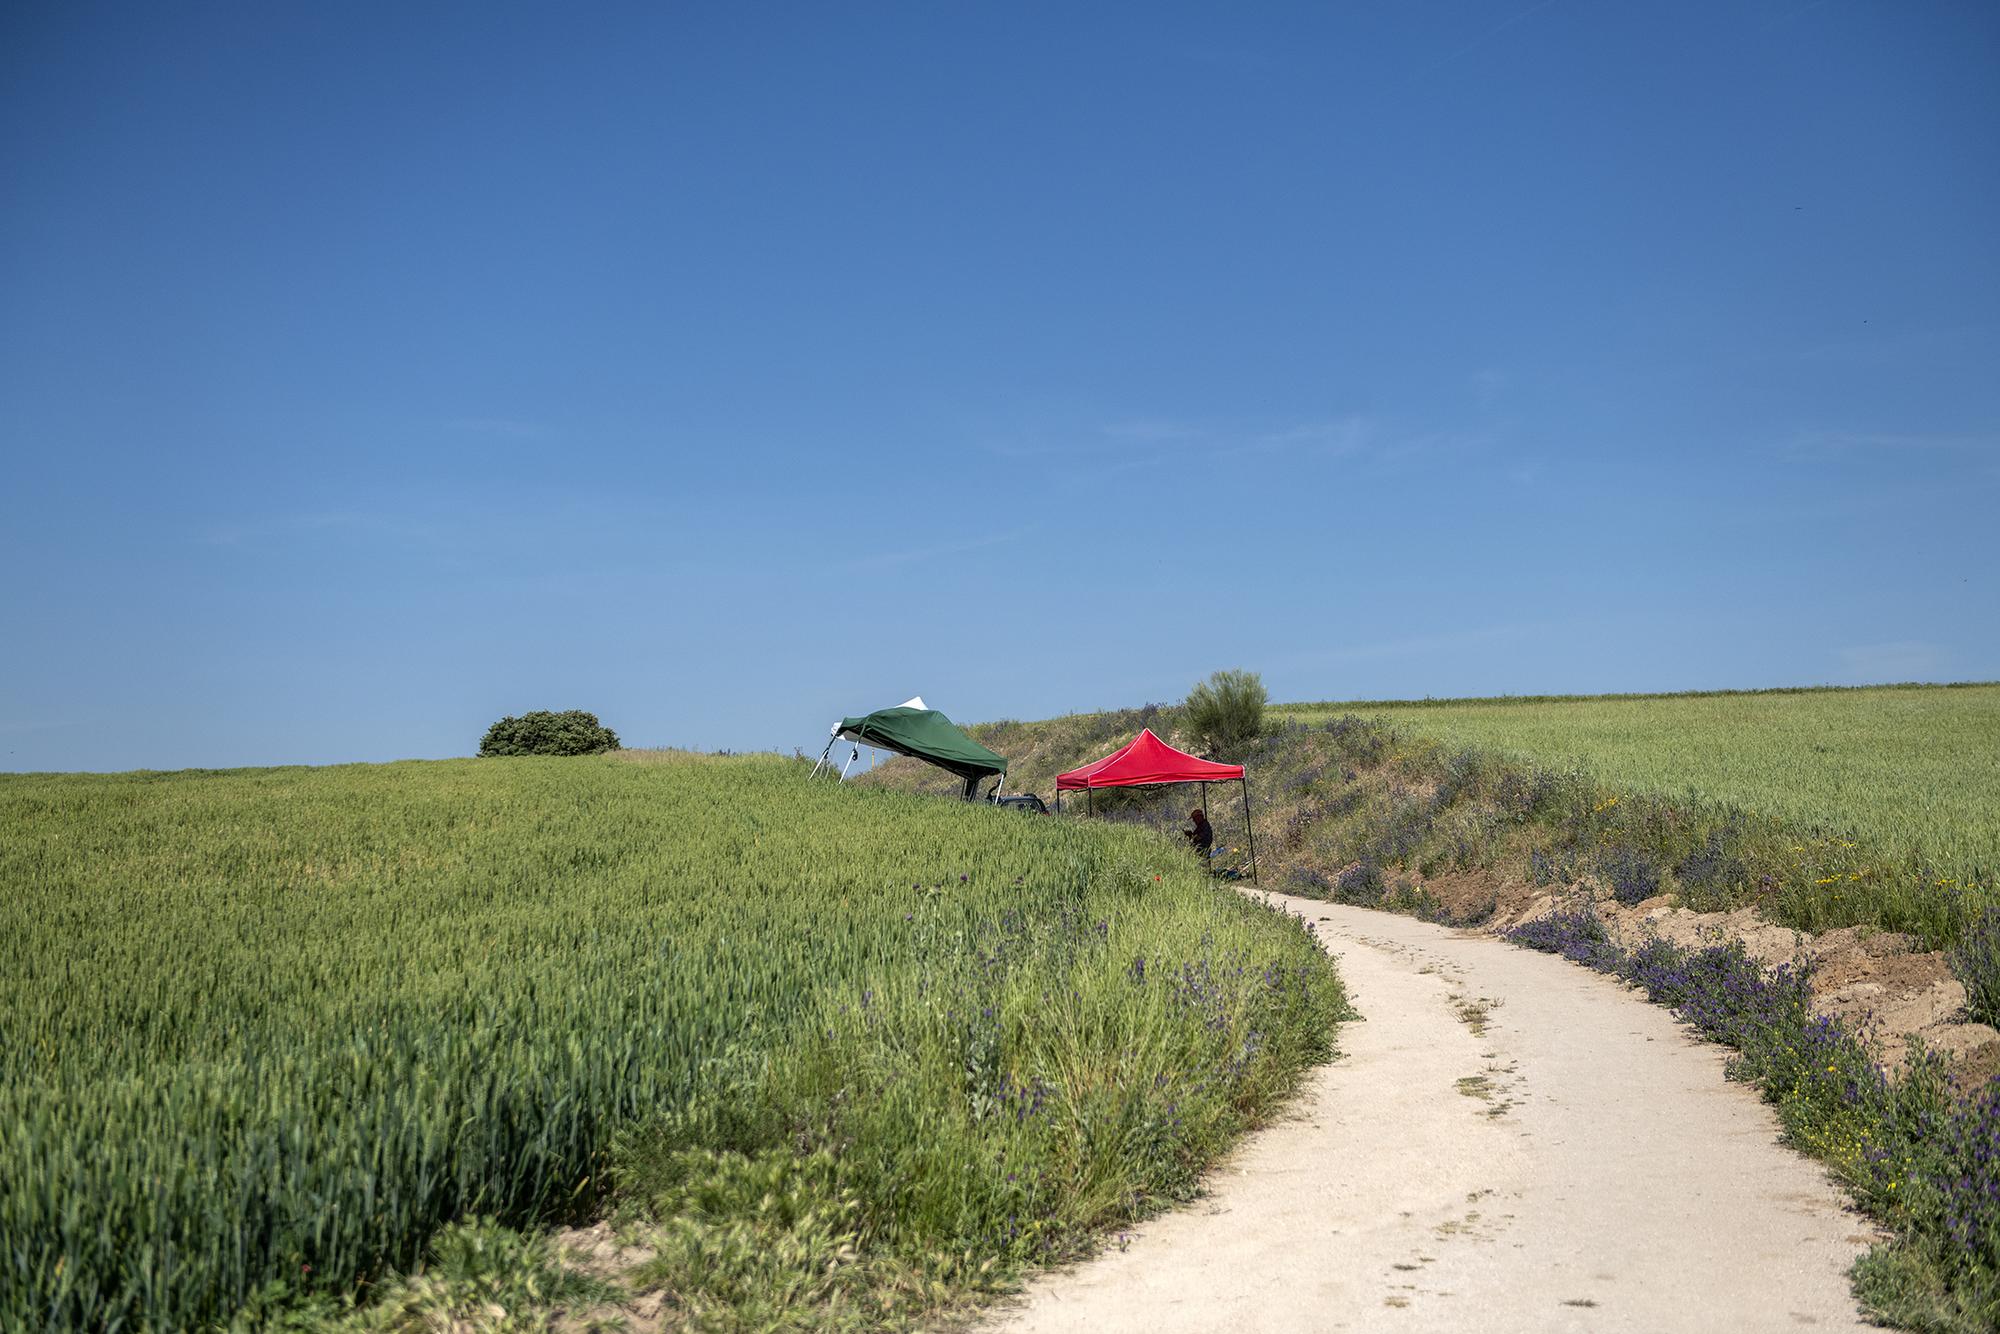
(1146, 760)
(923, 734)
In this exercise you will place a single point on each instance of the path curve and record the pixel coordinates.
(1580, 1164)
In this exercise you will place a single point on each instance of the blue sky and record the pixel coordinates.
(369, 372)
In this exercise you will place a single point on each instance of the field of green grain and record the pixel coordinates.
(1911, 770)
(266, 1031)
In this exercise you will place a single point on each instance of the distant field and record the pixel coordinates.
(1915, 770)
(265, 1031)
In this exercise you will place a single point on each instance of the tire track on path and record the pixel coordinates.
(1507, 1142)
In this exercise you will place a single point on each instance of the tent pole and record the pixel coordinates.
(1090, 801)
(822, 759)
(1247, 828)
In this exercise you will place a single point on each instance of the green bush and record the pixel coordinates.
(573, 732)
(1226, 710)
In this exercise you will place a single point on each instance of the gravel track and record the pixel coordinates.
(1507, 1142)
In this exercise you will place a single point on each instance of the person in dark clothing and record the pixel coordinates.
(1200, 837)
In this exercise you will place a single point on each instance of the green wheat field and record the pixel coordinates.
(267, 1031)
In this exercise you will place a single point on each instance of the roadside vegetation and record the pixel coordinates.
(1911, 772)
(297, 1048)
(1389, 812)
(1822, 824)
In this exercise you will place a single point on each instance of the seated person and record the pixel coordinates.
(1201, 838)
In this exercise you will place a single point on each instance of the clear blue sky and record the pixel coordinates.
(370, 371)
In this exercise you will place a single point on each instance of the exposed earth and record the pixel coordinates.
(1508, 1142)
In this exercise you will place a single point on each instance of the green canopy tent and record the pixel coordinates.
(922, 733)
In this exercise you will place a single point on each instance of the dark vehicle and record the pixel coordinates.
(1021, 801)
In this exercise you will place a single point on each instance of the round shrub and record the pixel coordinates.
(572, 732)
(1226, 710)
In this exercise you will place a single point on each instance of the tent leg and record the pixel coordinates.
(1249, 831)
(1090, 801)
(822, 759)
(852, 756)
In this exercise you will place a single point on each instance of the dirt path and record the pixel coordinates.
(1508, 1142)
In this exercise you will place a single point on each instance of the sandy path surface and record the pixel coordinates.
(1571, 1161)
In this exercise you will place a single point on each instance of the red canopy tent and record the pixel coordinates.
(1147, 761)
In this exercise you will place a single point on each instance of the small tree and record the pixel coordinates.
(1226, 710)
(573, 732)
